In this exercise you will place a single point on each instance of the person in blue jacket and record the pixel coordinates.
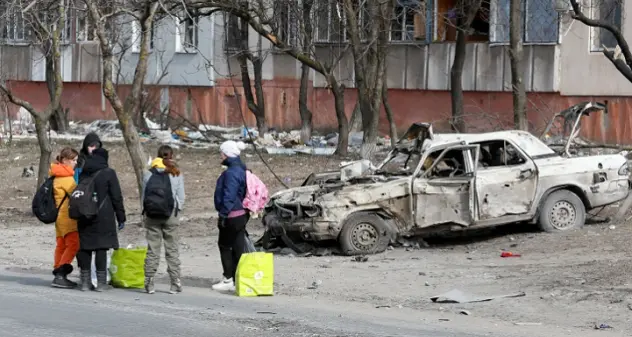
(229, 193)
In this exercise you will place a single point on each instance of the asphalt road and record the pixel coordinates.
(30, 307)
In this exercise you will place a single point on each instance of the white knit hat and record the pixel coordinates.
(231, 148)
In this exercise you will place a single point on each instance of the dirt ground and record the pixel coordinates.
(572, 280)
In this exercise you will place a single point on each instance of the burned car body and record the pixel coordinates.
(444, 182)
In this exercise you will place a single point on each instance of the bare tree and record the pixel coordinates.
(465, 12)
(515, 55)
(308, 37)
(237, 35)
(104, 14)
(46, 20)
(261, 20)
(621, 56)
(369, 61)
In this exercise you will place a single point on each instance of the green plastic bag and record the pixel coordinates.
(128, 267)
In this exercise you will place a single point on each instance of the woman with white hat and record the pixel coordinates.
(229, 194)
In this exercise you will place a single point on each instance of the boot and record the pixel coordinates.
(149, 285)
(86, 280)
(62, 282)
(102, 281)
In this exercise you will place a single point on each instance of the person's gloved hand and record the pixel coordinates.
(121, 225)
(221, 222)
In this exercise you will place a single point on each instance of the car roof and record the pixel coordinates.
(530, 144)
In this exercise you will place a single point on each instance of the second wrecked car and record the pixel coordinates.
(445, 182)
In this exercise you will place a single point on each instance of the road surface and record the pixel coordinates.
(30, 307)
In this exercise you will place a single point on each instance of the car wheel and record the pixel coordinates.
(563, 210)
(364, 234)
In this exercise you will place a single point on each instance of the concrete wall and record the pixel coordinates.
(586, 72)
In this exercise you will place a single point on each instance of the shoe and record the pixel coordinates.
(225, 285)
(102, 281)
(149, 285)
(74, 284)
(86, 279)
(176, 286)
(63, 282)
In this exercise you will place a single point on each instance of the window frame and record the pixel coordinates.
(182, 29)
(496, 40)
(136, 36)
(595, 32)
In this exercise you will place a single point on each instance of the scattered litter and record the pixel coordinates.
(427, 284)
(612, 227)
(28, 172)
(509, 254)
(602, 326)
(528, 323)
(361, 259)
(266, 312)
(465, 312)
(457, 296)
(383, 306)
(315, 284)
(444, 320)
(421, 273)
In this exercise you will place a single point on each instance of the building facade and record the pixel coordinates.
(190, 66)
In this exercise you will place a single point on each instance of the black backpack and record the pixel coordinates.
(158, 202)
(43, 204)
(84, 202)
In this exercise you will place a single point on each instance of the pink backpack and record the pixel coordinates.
(256, 193)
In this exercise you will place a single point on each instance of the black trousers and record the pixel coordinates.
(232, 243)
(84, 259)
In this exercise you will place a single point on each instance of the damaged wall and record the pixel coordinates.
(484, 111)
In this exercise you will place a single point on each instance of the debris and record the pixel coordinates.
(464, 312)
(457, 296)
(383, 306)
(509, 254)
(361, 258)
(427, 284)
(421, 273)
(612, 227)
(443, 320)
(602, 326)
(315, 284)
(266, 312)
(528, 323)
(28, 172)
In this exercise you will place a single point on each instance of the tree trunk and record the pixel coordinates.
(59, 118)
(355, 124)
(343, 126)
(515, 55)
(305, 113)
(456, 74)
(260, 114)
(389, 115)
(45, 148)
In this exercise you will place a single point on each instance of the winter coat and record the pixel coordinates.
(177, 184)
(63, 185)
(101, 232)
(90, 138)
(231, 187)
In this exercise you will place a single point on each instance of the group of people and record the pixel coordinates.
(163, 198)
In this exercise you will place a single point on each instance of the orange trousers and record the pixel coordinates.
(67, 248)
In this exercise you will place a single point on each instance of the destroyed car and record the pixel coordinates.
(431, 183)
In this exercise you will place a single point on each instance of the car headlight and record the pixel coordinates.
(624, 170)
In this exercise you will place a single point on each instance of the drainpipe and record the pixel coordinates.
(212, 56)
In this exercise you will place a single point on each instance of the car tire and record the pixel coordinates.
(562, 210)
(364, 233)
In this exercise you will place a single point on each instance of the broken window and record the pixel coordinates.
(451, 165)
(12, 24)
(187, 37)
(286, 20)
(403, 163)
(610, 12)
(499, 153)
(407, 23)
(540, 23)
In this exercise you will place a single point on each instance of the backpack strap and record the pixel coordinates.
(62, 201)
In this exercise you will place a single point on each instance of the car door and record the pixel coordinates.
(445, 199)
(508, 185)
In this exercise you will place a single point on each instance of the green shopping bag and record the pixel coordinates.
(128, 267)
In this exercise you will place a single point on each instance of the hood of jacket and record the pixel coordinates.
(157, 163)
(233, 161)
(60, 170)
(91, 138)
(97, 161)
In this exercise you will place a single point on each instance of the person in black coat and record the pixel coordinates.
(100, 234)
(90, 143)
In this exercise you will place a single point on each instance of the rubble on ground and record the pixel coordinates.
(200, 136)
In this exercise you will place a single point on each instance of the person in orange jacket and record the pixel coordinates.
(65, 227)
